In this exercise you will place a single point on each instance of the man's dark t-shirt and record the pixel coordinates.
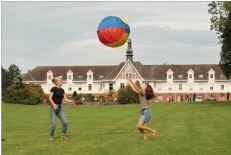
(58, 94)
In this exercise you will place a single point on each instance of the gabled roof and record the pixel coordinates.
(158, 72)
(39, 72)
(109, 72)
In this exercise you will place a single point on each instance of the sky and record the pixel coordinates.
(64, 33)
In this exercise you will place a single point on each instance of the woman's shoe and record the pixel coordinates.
(64, 137)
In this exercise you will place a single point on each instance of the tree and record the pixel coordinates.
(4, 81)
(138, 83)
(221, 24)
(126, 95)
(14, 74)
(10, 76)
(29, 94)
(74, 94)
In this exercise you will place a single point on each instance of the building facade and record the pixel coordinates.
(170, 82)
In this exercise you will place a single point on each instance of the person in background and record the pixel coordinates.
(228, 95)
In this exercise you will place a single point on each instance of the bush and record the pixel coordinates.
(35, 89)
(89, 97)
(78, 97)
(127, 95)
(28, 94)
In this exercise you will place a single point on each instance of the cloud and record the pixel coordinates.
(177, 24)
(85, 43)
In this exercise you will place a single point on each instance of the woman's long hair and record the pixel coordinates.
(149, 92)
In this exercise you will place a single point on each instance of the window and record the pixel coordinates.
(159, 89)
(180, 76)
(190, 76)
(201, 76)
(80, 88)
(169, 76)
(89, 77)
(201, 89)
(121, 85)
(190, 88)
(69, 77)
(69, 89)
(49, 87)
(211, 76)
(180, 86)
(89, 87)
(110, 86)
(170, 89)
(100, 86)
(222, 87)
(49, 77)
(211, 88)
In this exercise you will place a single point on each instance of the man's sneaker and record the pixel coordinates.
(51, 139)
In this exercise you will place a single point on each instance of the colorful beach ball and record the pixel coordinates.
(113, 31)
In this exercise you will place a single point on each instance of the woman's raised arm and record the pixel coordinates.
(133, 86)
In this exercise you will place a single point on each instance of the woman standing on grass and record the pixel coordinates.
(145, 95)
(57, 97)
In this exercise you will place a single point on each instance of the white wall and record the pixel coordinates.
(195, 86)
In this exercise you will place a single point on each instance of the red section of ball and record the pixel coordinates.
(110, 35)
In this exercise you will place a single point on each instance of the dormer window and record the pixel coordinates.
(169, 76)
(49, 76)
(69, 77)
(211, 76)
(180, 76)
(201, 76)
(90, 75)
(190, 76)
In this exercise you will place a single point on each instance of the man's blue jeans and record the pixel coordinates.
(53, 115)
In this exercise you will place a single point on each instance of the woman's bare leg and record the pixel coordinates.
(142, 130)
(141, 126)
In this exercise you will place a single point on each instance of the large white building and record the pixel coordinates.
(167, 80)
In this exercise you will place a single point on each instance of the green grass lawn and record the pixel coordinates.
(183, 129)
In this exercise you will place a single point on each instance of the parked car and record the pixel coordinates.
(211, 98)
(199, 98)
